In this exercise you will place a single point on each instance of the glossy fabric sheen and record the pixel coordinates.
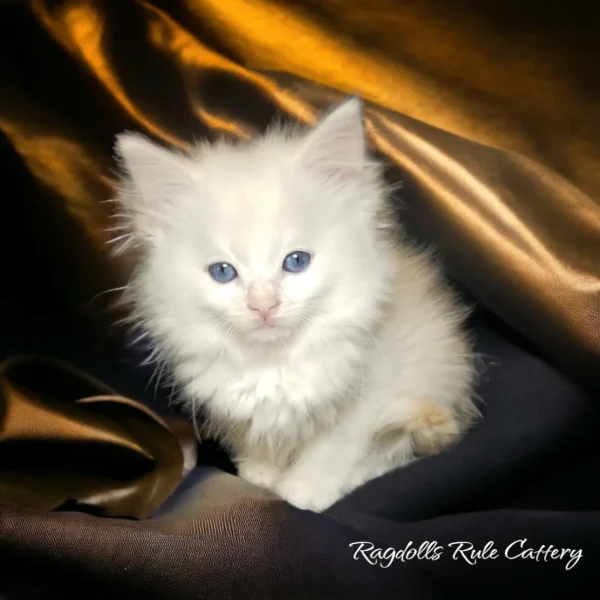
(66, 438)
(489, 115)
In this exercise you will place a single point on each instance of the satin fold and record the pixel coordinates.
(69, 441)
(489, 118)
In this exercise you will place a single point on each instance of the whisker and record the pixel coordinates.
(138, 339)
(152, 376)
(117, 289)
(121, 237)
(160, 374)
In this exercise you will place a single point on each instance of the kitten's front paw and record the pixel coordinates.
(316, 494)
(261, 474)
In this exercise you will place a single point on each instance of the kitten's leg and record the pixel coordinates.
(365, 445)
(429, 425)
(323, 471)
(405, 431)
(258, 464)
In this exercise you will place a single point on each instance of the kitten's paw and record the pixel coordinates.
(315, 494)
(261, 474)
(433, 428)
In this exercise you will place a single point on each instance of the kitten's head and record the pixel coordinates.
(258, 239)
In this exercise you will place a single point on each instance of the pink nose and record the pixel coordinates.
(264, 311)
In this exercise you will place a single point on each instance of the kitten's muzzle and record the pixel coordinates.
(264, 311)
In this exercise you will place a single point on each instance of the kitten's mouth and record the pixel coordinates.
(269, 331)
(270, 323)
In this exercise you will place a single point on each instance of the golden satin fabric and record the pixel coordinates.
(68, 440)
(490, 113)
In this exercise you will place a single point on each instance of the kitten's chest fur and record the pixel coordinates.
(280, 393)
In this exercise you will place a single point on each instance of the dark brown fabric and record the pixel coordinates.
(226, 540)
(69, 440)
(487, 111)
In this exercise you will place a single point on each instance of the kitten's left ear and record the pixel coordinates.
(337, 146)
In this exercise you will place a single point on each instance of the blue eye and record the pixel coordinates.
(222, 272)
(296, 262)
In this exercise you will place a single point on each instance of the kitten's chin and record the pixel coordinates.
(268, 334)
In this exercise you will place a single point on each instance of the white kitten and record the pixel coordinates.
(324, 351)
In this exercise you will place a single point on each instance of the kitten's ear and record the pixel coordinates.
(336, 147)
(157, 174)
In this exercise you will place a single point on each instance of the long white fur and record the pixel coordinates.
(367, 366)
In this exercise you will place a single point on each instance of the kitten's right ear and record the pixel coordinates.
(158, 176)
